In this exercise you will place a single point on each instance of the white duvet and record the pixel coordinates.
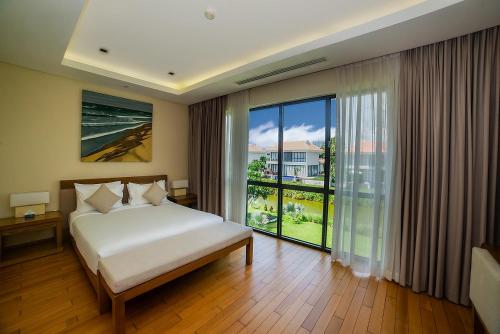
(100, 235)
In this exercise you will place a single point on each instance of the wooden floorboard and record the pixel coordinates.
(288, 289)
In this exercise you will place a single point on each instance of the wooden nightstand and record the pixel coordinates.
(10, 226)
(188, 200)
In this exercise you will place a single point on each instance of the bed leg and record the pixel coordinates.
(249, 251)
(118, 315)
(102, 297)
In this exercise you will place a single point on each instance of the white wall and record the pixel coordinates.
(40, 121)
(312, 158)
(306, 86)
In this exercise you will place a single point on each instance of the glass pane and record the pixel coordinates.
(333, 141)
(304, 143)
(366, 230)
(303, 215)
(262, 208)
(331, 217)
(263, 144)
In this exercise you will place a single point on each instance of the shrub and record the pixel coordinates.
(317, 219)
(294, 219)
(287, 219)
(303, 195)
(299, 195)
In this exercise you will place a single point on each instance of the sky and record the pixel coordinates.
(302, 121)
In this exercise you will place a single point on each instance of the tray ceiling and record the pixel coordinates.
(148, 39)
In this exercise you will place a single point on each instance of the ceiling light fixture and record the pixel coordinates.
(210, 13)
(103, 50)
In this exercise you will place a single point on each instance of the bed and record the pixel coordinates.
(131, 250)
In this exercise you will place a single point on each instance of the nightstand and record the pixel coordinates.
(188, 200)
(16, 254)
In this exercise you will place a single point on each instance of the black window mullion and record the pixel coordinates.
(326, 184)
(303, 188)
(280, 172)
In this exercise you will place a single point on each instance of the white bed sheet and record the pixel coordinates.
(142, 263)
(101, 235)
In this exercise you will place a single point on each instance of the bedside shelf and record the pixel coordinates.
(21, 253)
(17, 254)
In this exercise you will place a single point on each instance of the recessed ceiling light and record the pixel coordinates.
(210, 13)
(103, 50)
(171, 73)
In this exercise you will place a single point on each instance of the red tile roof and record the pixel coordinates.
(297, 146)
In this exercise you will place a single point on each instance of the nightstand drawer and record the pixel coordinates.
(189, 200)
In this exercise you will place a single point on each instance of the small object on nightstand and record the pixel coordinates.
(29, 214)
(10, 226)
(188, 200)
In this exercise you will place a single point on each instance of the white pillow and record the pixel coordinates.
(84, 191)
(136, 192)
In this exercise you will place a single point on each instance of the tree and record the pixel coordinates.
(322, 154)
(296, 171)
(256, 168)
(254, 192)
(255, 172)
(333, 144)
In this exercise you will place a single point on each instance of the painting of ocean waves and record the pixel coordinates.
(115, 129)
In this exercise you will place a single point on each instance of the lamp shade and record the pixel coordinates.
(32, 198)
(179, 184)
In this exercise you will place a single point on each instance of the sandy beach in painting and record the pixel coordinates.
(136, 145)
(115, 129)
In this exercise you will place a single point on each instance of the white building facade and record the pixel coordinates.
(300, 158)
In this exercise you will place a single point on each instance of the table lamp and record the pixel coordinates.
(29, 204)
(178, 188)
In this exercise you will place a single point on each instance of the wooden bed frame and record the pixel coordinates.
(116, 301)
(105, 294)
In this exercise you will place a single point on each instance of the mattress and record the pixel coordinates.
(142, 263)
(101, 235)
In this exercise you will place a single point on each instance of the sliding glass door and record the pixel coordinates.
(291, 174)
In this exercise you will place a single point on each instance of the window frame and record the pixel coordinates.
(326, 190)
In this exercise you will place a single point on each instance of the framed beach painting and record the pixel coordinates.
(115, 129)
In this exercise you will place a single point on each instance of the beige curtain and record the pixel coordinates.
(236, 157)
(206, 153)
(367, 111)
(448, 152)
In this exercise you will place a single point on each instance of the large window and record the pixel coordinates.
(291, 173)
(294, 156)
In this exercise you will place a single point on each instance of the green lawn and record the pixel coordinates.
(307, 231)
(304, 228)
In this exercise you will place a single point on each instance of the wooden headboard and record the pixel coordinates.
(67, 195)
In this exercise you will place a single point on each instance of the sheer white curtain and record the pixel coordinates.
(367, 104)
(236, 156)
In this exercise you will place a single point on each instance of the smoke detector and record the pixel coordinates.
(210, 13)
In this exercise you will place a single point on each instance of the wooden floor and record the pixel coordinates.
(289, 289)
